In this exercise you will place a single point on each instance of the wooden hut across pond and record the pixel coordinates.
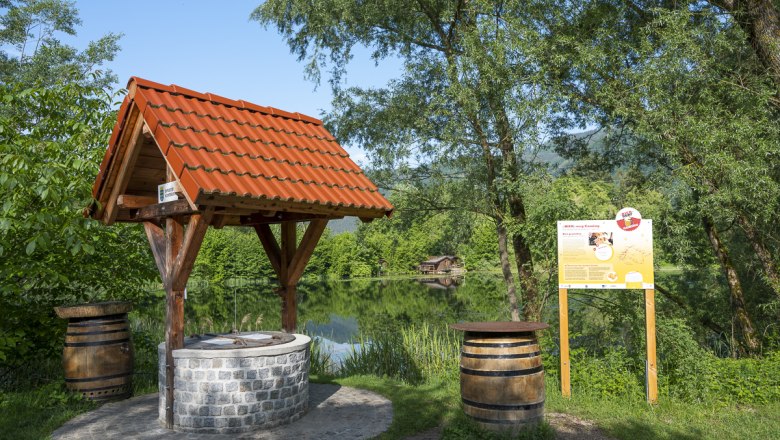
(224, 163)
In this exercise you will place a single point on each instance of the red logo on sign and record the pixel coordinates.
(628, 219)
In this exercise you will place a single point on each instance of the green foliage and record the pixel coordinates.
(31, 51)
(608, 375)
(231, 253)
(53, 133)
(413, 355)
(49, 150)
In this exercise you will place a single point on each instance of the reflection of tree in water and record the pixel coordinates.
(376, 305)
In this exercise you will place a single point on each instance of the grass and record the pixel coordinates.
(630, 417)
(35, 414)
(418, 408)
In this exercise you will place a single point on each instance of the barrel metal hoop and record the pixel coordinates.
(97, 343)
(524, 407)
(506, 373)
(96, 323)
(500, 422)
(104, 332)
(122, 388)
(501, 356)
(93, 379)
(499, 344)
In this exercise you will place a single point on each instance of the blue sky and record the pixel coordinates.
(211, 46)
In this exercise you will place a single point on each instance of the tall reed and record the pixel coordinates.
(414, 354)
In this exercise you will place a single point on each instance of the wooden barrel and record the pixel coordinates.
(502, 379)
(98, 353)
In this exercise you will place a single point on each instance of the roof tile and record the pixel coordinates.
(217, 145)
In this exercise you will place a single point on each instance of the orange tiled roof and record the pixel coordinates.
(218, 146)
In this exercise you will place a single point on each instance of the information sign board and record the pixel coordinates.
(606, 254)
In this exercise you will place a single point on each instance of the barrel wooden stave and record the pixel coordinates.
(502, 379)
(98, 357)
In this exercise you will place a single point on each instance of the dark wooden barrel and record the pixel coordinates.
(98, 353)
(502, 378)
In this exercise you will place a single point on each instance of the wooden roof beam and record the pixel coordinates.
(163, 210)
(283, 217)
(127, 201)
(193, 238)
(271, 247)
(130, 155)
(306, 248)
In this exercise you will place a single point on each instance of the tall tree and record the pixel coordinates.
(699, 102)
(467, 100)
(760, 21)
(31, 50)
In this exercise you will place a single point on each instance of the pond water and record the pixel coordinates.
(338, 312)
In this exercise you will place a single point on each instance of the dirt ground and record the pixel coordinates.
(569, 427)
(566, 426)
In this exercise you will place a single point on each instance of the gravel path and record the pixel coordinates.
(335, 412)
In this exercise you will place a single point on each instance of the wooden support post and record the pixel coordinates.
(289, 307)
(290, 260)
(651, 367)
(174, 311)
(563, 318)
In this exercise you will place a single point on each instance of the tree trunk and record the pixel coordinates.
(763, 254)
(760, 19)
(738, 308)
(506, 269)
(681, 302)
(523, 256)
(532, 310)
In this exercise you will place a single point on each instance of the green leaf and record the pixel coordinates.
(30, 247)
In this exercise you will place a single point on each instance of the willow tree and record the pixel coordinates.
(682, 79)
(466, 108)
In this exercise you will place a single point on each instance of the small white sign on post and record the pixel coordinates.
(167, 192)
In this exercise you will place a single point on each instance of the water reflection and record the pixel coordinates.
(339, 310)
(446, 282)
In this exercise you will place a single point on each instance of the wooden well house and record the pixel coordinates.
(226, 163)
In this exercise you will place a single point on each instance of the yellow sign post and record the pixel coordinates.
(607, 254)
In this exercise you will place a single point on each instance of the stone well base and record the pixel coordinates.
(237, 390)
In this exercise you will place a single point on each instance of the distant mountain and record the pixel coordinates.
(346, 224)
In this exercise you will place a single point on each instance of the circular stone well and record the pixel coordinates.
(224, 384)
